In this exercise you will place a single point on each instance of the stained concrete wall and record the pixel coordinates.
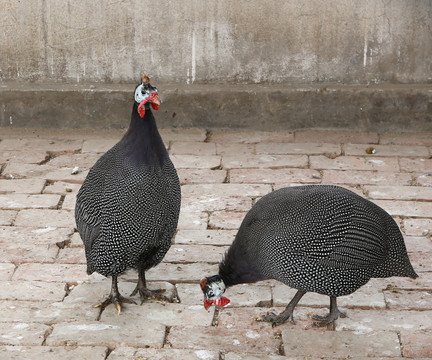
(217, 41)
(252, 64)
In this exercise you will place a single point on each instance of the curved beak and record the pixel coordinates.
(154, 98)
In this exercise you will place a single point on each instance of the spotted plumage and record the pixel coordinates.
(128, 206)
(318, 238)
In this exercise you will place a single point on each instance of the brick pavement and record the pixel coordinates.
(46, 298)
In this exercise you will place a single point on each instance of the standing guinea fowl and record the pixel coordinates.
(128, 206)
(318, 238)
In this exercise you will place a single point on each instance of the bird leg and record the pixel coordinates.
(113, 298)
(146, 293)
(334, 314)
(284, 315)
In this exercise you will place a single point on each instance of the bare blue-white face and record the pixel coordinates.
(143, 91)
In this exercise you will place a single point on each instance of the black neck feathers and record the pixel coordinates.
(142, 141)
(236, 268)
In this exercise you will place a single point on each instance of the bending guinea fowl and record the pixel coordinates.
(128, 206)
(317, 238)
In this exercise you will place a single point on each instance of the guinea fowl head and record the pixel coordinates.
(146, 94)
(213, 287)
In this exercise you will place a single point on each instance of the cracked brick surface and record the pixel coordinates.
(47, 299)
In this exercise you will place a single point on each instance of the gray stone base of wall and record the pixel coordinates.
(379, 108)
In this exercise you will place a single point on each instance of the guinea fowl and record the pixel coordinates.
(128, 206)
(315, 238)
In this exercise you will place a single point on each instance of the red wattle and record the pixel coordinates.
(207, 303)
(223, 301)
(155, 106)
(141, 109)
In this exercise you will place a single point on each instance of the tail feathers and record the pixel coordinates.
(389, 269)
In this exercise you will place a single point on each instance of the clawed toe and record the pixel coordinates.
(275, 319)
(329, 319)
(147, 294)
(115, 299)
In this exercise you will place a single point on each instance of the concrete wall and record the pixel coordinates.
(216, 41)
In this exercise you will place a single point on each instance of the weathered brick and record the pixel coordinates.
(415, 165)
(421, 261)
(40, 144)
(21, 253)
(7, 217)
(424, 179)
(45, 218)
(192, 148)
(249, 356)
(416, 344)
(423, 282)
(246, 318)
(196, 161)
(226, 219)
(23, 156)
(272, 176)
(83, 161)
(399, 192)
(250, 295)
(192, 220)
(71, 255)
(240, 149)
(405, 208)
(181, 272)
(190, 294)
(53, 352)
(418, 243)
(264, 161)
(201, 176)
(336, 136)
(342, 344)
(96, 290)
(75, 240)
(99, 145)
(180, 134)
(122, 353)
(69, 202)
(299, 148)
(121, 332)
(6, 271)
(205, 202)
(365, 177)
(46, 171)
(32, 290)
(205, 237)
(387, 150)
(365, 297)
(46, 312)
(61, 187)
(238, 340)
(22, 333)
(406, 138)
(195, 253)
(22, 186)
(366, 321)
(251, 190)
(162, 313)
(417, 226)
(25, 201)
(51, 272)
(249, 137)
(31, 235)
(354, 163)
(407, 300)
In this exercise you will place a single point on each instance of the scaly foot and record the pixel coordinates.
(117, 300)
(147, 294)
